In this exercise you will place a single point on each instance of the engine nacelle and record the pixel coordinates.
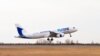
(60, 35)
(56, 34)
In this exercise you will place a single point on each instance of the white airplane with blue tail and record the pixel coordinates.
(46, 34)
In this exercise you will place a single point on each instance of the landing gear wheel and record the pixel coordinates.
(48, 39)
(51, 39)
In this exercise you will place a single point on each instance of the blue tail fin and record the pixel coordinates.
(19, 30)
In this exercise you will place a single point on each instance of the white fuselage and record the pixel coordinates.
(46, 34)
(56, 33)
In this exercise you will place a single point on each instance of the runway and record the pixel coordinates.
(49, 50)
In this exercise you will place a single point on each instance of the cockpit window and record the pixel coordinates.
(73, 27)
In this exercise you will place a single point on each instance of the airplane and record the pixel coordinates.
(46, 34)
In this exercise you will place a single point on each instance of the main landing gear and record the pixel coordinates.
(50, 39)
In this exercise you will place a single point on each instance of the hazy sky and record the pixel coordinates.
(40, 15)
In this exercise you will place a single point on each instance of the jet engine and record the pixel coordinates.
(60, 35)
(56, 34)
